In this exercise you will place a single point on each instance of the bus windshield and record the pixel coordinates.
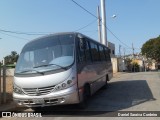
(46, 54)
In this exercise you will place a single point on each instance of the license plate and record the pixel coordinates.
(38, 101)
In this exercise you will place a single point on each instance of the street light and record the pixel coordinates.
(113, 16)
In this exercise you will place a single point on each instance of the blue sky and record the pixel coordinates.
(137, 21)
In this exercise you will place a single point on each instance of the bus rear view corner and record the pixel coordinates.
(58, 69)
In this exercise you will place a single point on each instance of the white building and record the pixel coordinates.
(111, 46)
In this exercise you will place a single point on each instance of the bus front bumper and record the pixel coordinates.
(66, 96)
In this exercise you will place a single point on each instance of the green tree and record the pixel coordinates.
(14, 56)
(135, 66)
(128, 62)
(10, 59)
(151, 49)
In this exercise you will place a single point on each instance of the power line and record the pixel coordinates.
(117, 37)
(102, 23)
(24, 33)
(2, 31)
(14, 36)
(85, 26)
(41, 33)
(135, 48)
(90, 31)
(84, 8)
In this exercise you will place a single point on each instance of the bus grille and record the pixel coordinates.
(38, 91)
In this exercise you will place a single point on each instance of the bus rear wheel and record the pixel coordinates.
(106, 83)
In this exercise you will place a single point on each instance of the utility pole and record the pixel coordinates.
(3, 61)
(99, 25)
(0, 85)
(133, 57)
(104, 31)
(133, 49)
(124, 68)
(119, 50)
(124, 50)
(4, 83)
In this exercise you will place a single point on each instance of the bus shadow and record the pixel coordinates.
(123, 94)
(120, 95)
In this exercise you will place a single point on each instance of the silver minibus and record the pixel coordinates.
(58, 69)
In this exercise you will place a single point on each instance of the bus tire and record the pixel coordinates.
(86, 94)
(106, 83)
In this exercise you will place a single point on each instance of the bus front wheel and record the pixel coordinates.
(86, 94)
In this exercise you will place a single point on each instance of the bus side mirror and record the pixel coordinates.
(82, 43)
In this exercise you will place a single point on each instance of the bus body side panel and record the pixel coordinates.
(94, 74)
(89, 72)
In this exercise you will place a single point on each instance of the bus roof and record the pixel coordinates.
(65, 33)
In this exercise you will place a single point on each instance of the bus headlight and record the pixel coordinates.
(69, 82)
(64, 85)
(17, 89)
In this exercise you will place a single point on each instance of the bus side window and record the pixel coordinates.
(94, 51)
(107, 55)
(81, 52)
(102, 53)
(88, 52)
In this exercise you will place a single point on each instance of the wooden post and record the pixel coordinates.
(4, 84)
(0, 86)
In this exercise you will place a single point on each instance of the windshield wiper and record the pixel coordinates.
(50, 65)
(32, 70)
